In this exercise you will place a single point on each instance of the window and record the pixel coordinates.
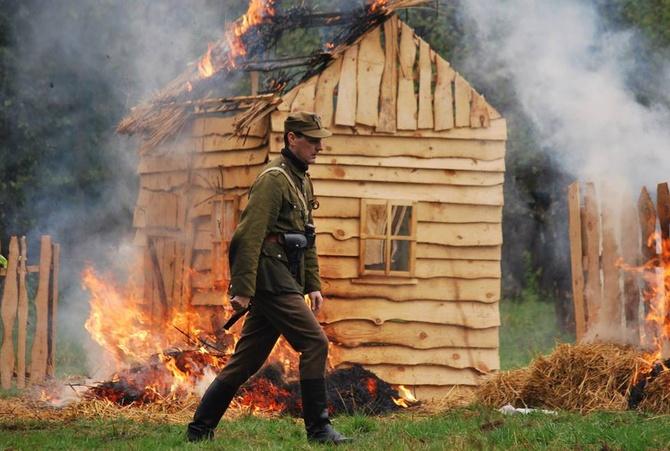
(388, 237)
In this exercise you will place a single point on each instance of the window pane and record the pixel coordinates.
(376, 219)
(375, 254)
(400, 255)
(402, 215)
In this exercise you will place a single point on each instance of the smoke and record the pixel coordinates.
(596, 98)
(573, 80)
(80, 66)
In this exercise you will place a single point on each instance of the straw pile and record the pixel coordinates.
(579, 378)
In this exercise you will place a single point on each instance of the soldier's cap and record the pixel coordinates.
(309, 124)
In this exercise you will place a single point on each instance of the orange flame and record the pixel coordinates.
(258, 10)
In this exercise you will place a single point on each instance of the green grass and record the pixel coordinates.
(528, 330)
(474, 427)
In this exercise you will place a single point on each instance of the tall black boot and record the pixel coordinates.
(207, 415)
(315, 413)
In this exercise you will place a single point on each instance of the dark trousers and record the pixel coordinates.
(270, 316)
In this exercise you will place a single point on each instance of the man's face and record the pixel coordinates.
(304, 148)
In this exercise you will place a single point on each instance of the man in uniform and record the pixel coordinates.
(273, 265)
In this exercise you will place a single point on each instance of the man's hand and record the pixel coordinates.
(316, 301)
(239, 303)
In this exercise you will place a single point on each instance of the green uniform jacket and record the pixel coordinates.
(273, 207)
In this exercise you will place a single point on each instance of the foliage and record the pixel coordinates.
(528, 329)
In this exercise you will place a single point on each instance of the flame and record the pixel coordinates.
(205, 66)
(378, 5)
(406, 397)
(656, 296)
(209, 64)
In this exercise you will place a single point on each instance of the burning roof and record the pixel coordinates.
(247, 46)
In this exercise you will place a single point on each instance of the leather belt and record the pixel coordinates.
(275, 238)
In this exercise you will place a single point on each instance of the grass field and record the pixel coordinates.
(527, 331)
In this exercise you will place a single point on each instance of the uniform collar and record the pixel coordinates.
(286, 153)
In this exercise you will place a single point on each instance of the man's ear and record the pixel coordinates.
(291, 137)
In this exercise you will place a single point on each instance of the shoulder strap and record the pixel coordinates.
(291, 182)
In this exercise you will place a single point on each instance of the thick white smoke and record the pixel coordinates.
(571, 79)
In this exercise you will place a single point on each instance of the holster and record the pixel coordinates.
(294, 243)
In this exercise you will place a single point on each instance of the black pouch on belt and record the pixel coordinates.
(294, 243)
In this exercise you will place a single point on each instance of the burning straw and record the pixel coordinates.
(248, 38)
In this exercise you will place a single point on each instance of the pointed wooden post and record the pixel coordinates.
(39, 350)
(53, 309)
(663, 210)
(576, 256)
(611, 306)
(593, 285)
(630, 253)
(647, 218)
(23, 317)
(8, 314)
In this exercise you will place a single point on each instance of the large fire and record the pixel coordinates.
(158, 361)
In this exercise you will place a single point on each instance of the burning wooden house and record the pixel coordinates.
(410, 188)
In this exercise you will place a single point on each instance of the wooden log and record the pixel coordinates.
(496, 132)
(425, 118)
(341, 267)
(476, 315)
(472, 234)
(479, 112)
(328, 245)
(468, 195)
(325, 90)
(482, 360)
(39, 351)
(439, 289)
(448, 163)
(458, 214)
(162, 307)
(576, 260)
(8, 312)
(53, 309)
(648, 239)
(592, 285)
(369, 77)
(304, 100)
(406, 104)
(389, 84)
(425, 374)
(406, 175)
(387, 146)
(22, 324)
(345, 113)
(444, 97)
(411, 334)
(611, 308)
(630, 254)
(227, 125)
(228, 143)
(462, 98)
(231, 158)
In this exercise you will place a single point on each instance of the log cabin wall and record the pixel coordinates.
(409, 227)
(410, 131)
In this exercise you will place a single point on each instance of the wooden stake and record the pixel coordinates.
(576, 259)
(38, 355)
(8, 315)
(23, 317)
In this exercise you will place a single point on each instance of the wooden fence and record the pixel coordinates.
(620, 256)
(15, 312)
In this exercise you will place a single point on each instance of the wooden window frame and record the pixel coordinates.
(389, 237)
